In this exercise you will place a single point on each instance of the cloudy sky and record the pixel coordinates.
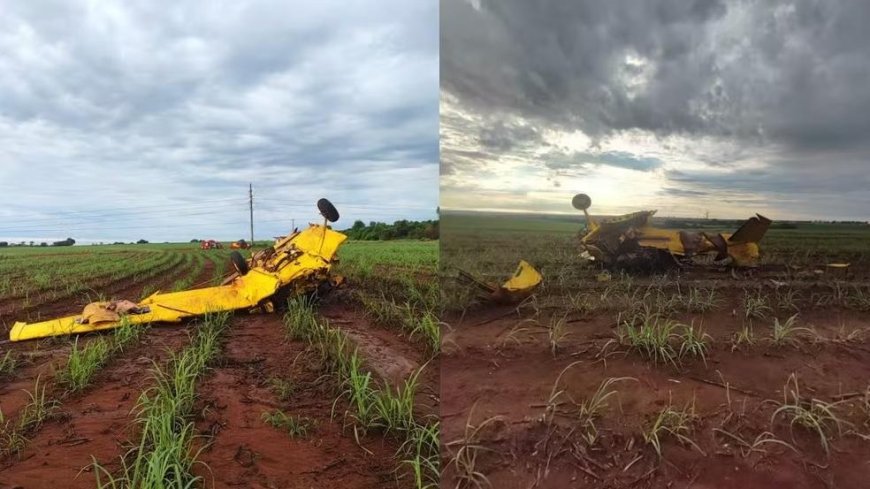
(731, 107)
(129, 119)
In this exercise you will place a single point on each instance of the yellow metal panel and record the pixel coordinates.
(525, 278)
(663, 239)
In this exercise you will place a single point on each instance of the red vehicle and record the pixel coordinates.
(210, 244)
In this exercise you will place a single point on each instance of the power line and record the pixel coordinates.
(224, 199)
(25, 225)
(352, 206)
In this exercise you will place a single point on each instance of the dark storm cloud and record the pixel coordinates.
(790, 71)
(132, 103)
(502, 137)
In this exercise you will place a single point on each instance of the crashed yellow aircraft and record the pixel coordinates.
(632, 241)
(295, 265)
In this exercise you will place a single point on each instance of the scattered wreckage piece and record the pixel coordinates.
(295, 265)
(519, 286)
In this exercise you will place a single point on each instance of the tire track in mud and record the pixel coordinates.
(39, 357)
(95, 423)
(387, 353)
(246, 452)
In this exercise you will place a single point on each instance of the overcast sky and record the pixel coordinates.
(731, 107)
(129, 119)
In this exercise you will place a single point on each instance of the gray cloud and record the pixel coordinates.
(782, 84)
(135, 104)
(502, 137)
(733, 68)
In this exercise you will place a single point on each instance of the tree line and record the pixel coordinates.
(66, 242)
(404, 229)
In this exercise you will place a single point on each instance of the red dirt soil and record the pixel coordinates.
(39, 357)
(246, 452)
(95, 423)
(487, 375)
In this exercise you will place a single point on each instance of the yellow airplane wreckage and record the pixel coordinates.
(295, 265)
(631, 239)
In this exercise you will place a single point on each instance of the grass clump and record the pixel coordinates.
(84, 362)
(8, 364)
(295, 426)
(282, 388)
(786, 333)
(464, 452)
(370, 407)
(652, 337)
(595, 406)
(672, 422)
(164, 456)
(13, 434)
(813, 414)
(756, 306)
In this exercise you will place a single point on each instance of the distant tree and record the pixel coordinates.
(43, 244)
(194, 240)
(31, 243)
(142, 241)
(66, 242)
(4, 244)
(403, 229)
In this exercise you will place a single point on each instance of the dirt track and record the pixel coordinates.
(246, 452)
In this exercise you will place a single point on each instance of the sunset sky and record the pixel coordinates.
(731, 107)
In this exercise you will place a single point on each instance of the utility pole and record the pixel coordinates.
(251, 208)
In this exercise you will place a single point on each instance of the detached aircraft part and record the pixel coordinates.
(522, 283)
(631, 240)
(295, 265)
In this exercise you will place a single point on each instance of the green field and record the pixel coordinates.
(462, 232)
(491, 245)
(30, 276)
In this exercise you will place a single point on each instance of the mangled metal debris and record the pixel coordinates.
(519, 286)
(631, 240)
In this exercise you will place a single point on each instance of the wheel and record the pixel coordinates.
(581, 202)
(327, 210)
(239, 263)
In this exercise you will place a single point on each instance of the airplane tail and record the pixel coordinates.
(751, 231)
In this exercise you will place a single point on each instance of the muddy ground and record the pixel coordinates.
(498, 371)
(238, 447)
